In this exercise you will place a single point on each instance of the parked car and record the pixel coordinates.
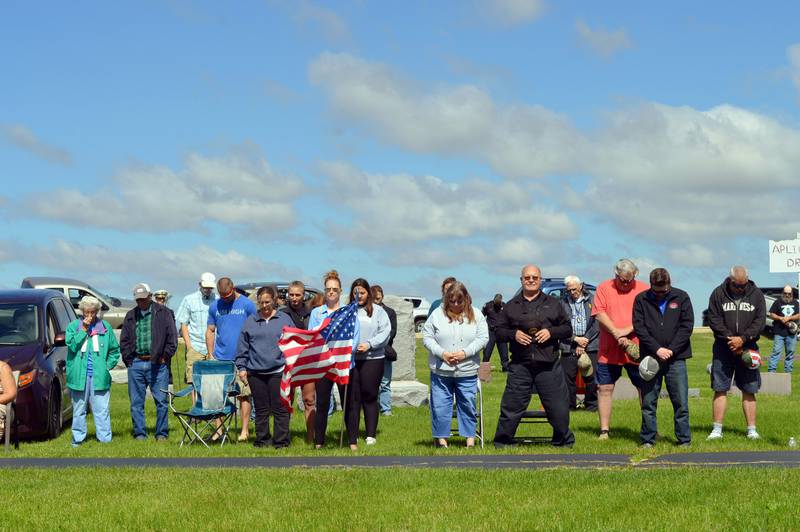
(771, 293)
(422, 308)
(113, 309)
(250, 289)
(32, 341)
(555, 287)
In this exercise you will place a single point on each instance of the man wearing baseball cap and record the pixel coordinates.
(613, 309)
(192, 317)
(736, 315)
(147, 342)
(663, 320)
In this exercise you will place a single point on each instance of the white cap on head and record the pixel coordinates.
(141, 291)
(208, 280)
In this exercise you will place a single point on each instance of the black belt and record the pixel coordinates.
(145, 356)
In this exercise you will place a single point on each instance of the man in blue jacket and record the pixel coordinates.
(663, 320)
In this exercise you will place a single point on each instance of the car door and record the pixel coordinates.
(58, 318)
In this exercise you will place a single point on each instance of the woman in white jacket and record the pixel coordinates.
(454, 336)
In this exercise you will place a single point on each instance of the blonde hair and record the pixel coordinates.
(332, 275)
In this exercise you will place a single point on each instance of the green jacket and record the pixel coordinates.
(102, 362)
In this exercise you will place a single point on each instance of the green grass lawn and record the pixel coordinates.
(400, 499)
(407, 432)
(743, 498)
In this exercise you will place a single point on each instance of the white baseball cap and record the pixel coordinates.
(208, 280)
(141, 291)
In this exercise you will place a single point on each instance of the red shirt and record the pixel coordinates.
(618, 307)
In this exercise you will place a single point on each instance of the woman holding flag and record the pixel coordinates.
(366, 375)
(333, 290)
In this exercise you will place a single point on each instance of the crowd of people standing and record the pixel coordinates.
(643, 328)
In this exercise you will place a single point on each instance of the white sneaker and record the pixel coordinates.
(715, 435)
(753, 435)
(371, 441)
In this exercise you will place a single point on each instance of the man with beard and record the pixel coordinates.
(736, 315)
(663, 320)
(785, 312)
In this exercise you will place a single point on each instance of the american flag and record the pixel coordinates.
(326, 351)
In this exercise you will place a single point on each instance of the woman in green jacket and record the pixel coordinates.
(92, 351)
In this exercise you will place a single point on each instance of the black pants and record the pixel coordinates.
(502, 348)
(569, 363)
(266, 390)
(549, 381)
(323, 388)
(365, 382)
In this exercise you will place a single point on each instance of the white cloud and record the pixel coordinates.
(693, 255)
(670, 174)
(124, 266)
(601, 41)
(516, 140)
(793, 52)
(405, 208)
(512, 12)
(239, 189)
(22, 137)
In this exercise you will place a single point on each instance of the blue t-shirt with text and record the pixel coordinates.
(229, 318)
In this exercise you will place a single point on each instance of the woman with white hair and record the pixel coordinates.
(92, 350)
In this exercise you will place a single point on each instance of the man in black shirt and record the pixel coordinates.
(492, 311)
(784, 311)
(533, 323)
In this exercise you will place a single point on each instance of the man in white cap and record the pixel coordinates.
(192, 317)
(663, 320)
(147, 342)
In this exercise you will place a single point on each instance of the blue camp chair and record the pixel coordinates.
(215, 384)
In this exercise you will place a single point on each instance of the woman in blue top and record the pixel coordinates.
(366, 375)
(333, 290)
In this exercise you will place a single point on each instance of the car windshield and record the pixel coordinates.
(104, 296)
(19, 323)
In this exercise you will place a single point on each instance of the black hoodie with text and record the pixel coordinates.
(729, 315)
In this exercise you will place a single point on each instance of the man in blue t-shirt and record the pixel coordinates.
(226, 317)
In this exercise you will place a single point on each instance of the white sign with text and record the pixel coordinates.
(784, 256)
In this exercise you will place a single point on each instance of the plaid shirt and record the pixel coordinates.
(144, 327)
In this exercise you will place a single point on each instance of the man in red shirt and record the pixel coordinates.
(613, 308)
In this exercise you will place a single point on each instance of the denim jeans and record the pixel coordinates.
(142, 375)
(442, 391)
(98, 401)
(781, 342)
(677, 380)
(385, 396)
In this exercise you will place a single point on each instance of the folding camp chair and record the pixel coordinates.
(216, 390)
(11, 420)
(478, 411)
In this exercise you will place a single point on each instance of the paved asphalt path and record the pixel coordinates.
(517, 461)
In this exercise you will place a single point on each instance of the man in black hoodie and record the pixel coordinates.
(663, 320)
(736, 315)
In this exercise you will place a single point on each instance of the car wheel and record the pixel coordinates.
(418, 325)
(55, 418)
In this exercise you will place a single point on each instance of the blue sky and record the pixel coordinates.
(398, 141)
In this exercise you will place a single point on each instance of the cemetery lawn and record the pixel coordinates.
(407, 432)
(400, 499)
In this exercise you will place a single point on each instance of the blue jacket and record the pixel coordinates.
(257, 350)
(592, 325)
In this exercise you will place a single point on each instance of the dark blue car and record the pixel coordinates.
(555, 287)
(32, 341)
